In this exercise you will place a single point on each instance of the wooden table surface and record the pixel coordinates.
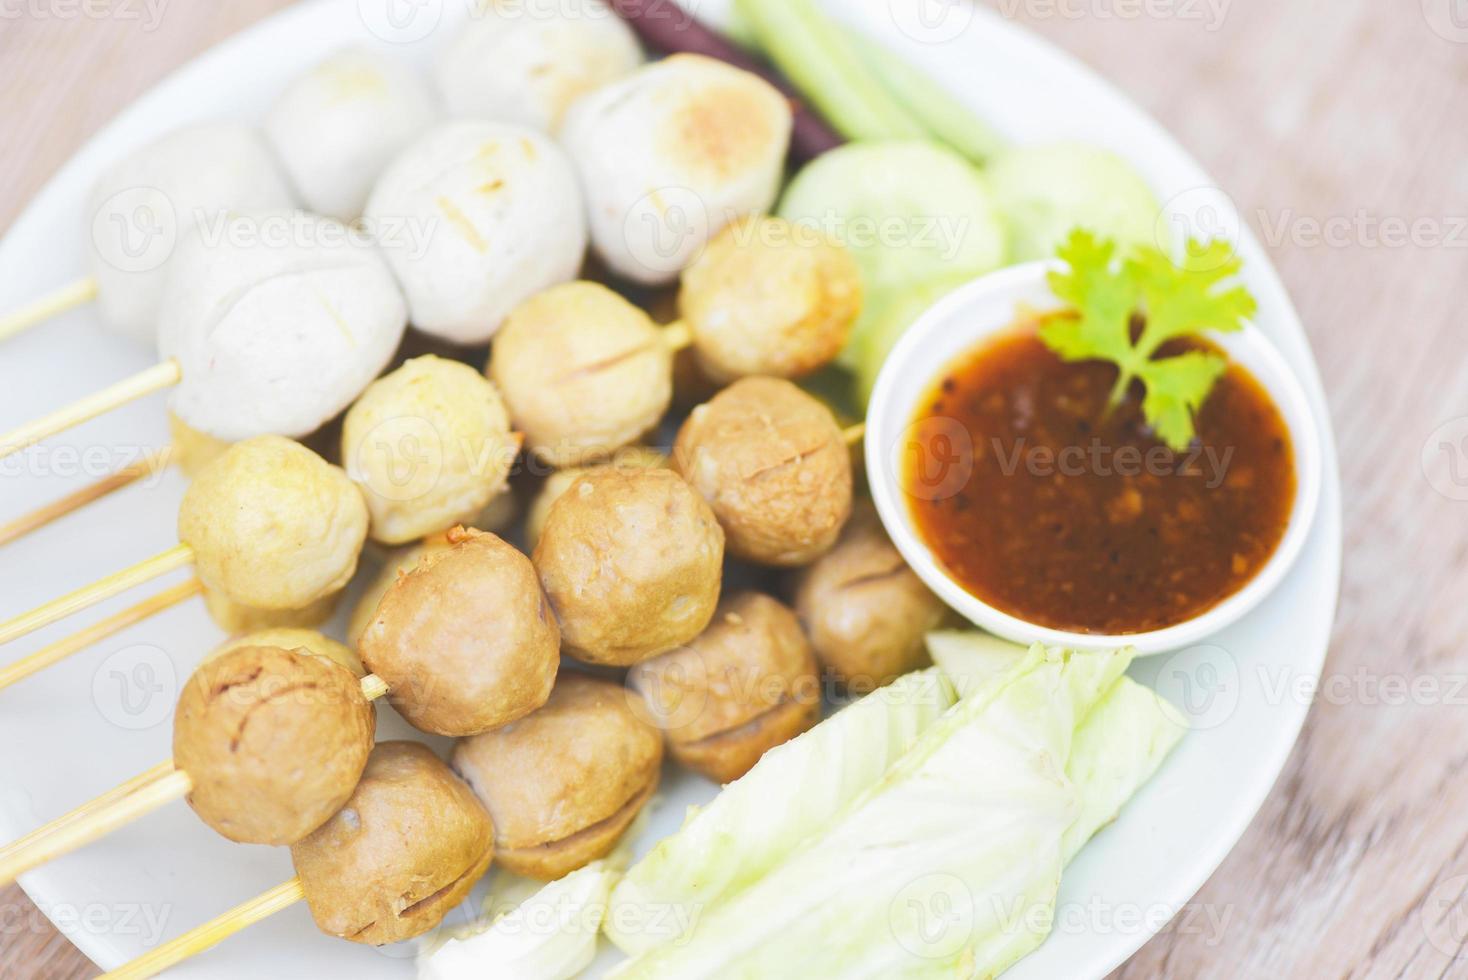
(1341, 128)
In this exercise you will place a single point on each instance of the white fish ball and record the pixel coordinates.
(475, 217)
(278, 320)
(336, 128)
(144, 205)
(670, 155)
(525, 62)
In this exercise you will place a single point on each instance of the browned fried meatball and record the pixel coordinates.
(632, 561)
(775, 467)
(563, 783)
(273, 741)
(866, 611)
(747, 684)
(404, 850)
(465, 641)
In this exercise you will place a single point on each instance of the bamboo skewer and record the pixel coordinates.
(54, 303)
(61, 649)
(155, 378)
(677, 336)
(39, 518)
(106, 800)
(90, 822)
(116, 808)
(211, 933)
(89, 595)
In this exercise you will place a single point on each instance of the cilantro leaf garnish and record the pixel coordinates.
(1107, 291)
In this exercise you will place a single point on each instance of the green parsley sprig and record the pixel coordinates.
(1107, 291)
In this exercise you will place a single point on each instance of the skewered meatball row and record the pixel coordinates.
(585, 372)
(632, 562)
(564, 783)
(153, 198)
(774, 466)
(747, 684)
(672, 153)
(526, 63)
(485, 215)
(336, 127)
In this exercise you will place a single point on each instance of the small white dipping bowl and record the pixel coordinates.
(962, 322)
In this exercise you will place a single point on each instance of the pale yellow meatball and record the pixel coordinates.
(398, 564)
(192, 450)
(273, 525)
(583, 371)
(770, 297)
(296, 640)
(632, 561)
(430, 446)
(234, 618)
(774, 465)
(628, 457)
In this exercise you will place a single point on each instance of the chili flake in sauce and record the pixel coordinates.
(1044, 505)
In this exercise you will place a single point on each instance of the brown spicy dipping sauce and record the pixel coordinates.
(1042, 505)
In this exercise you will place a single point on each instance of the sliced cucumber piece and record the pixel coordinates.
(891, 312)
(1046, 191)
(911, 211)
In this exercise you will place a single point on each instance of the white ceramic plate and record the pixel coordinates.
(104, 715)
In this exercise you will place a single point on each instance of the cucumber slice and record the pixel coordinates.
(910, 211)
(948, 119)
(1046, 191)
(891, 313)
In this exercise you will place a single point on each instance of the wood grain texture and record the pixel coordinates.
(1307, 111)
